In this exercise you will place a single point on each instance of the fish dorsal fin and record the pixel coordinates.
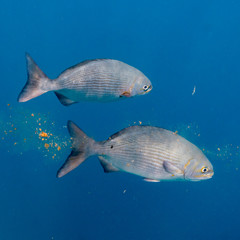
(87, 61)
(128, 130)
(64, 100)
(172, 169)
(151, 180)
(82, 64)
(107, 167)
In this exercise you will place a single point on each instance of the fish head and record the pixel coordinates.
(197, 169)
(141, 85)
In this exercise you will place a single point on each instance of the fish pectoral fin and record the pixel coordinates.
(171, 168)
(150, 180)
(107, 167)
(126, 94)
(64, 100)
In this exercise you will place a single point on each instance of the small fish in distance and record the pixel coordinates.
(150, 152)
(102, 80)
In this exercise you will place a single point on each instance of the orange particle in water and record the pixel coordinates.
(43, 134)
(59, 148)
(8, 104)
(46, 145)
(32, 115)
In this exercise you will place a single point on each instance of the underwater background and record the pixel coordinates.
(180, 46)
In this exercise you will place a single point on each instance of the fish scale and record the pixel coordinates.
(147, 160)
(101, 80)
(150, 152)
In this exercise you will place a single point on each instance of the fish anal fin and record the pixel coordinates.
(151, 180)
(125, 94)
(64, 100)
(107, 167)
(172, 169)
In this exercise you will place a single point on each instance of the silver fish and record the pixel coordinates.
(151, 152)
(92, 80)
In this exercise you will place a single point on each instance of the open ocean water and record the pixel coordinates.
(180, 46)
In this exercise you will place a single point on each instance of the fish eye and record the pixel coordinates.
(204, 169)
(145, 87)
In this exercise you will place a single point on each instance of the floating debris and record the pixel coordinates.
(22, 130)
(194, 90)
(46, 145)
(43, 134)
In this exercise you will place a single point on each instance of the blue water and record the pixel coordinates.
(179, 45)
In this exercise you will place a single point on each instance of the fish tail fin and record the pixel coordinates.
(37, 82)
(82, 148)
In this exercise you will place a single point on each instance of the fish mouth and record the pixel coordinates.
(205, 176)
(201, 177)
(209, 175)
(149, 89)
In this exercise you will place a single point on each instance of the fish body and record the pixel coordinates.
(101, 80)
(150, 152)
